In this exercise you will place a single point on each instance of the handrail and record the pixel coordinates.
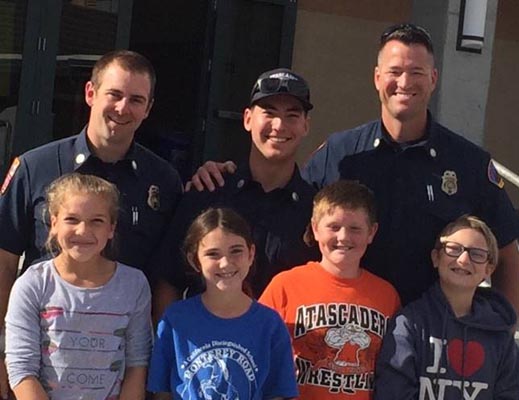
(510, 176)
(513, 178)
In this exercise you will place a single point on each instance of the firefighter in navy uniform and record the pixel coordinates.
(268, 190)
(120, 95)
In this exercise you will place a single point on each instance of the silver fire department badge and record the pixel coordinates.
(449, 182)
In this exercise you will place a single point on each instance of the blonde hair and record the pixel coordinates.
(471, 222)
(344, 194)
(75, 183)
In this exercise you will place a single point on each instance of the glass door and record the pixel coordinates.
(12, 23)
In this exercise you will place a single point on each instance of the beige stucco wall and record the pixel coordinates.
(335, 49)
(502, 116)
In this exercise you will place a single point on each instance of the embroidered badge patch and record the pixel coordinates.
(494, 177)
(449, 182)
(154, 197)
(9, 176)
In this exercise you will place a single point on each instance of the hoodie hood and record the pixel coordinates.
(490, 309)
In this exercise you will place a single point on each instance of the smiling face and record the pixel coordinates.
(277, 125)
(343, 235)
(82, 227)
(118, 106)
(224, 259)
(405, 78)
(461, 272)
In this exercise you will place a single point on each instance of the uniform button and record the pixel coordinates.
(134, 165)
(80, 158)
(240, 184)
(295, 196)
(376, 142)
(432, 152)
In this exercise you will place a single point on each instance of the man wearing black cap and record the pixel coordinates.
(268, 190)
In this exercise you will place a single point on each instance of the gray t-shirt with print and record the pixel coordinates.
(77, 341)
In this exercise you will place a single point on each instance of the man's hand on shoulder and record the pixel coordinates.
(210, 173)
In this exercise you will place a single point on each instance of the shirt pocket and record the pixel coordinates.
(142, 223)
(445, 209)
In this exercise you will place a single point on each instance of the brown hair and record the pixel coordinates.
(344, 194)
(76, 183)
(224, 218)
(127, 60)
(408, 34)
(471, 222)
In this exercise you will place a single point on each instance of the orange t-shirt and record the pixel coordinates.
(336, 326)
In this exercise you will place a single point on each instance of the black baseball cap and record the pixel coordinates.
(281, 81)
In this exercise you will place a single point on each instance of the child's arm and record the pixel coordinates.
(162, 362)
(134, 383)
(30, 389)
(396, 377)
(23, 337)
(138, 345)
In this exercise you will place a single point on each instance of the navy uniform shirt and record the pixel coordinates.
(419, 188)
(149, 187)
(278, 220)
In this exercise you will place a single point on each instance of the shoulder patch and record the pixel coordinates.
(9, 176)
(493, 175)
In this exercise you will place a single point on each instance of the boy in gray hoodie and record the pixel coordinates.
(456, 341)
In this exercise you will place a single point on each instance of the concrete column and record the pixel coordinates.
(461, 95)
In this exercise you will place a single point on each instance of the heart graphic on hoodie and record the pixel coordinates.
(474, 357)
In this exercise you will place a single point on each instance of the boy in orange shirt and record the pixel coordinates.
(336, 311)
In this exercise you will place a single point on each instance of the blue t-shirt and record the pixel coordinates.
(198, 355)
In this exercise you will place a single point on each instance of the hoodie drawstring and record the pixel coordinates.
(443, 348)
(463, 361)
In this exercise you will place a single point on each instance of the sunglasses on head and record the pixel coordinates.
(276, 85)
